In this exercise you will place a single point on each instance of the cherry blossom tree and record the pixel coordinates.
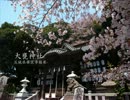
(114, 21)
(115, 34)
(41, 12)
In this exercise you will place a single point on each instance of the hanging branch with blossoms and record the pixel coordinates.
(55, 38)
(82, 29)
(51, 36)
(38, 12)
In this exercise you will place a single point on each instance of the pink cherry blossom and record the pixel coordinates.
(52, 36)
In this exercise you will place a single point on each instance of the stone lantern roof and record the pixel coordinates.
(72, 75)
(25, 80)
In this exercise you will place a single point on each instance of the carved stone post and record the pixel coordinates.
(75, 91)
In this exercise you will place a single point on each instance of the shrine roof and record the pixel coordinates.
(65, 54)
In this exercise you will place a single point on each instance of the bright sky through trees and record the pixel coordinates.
(7, 13)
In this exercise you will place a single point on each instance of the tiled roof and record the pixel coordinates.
(57, 50)
(67, 48)
(71, 48)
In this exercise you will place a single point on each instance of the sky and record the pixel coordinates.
(7, 13)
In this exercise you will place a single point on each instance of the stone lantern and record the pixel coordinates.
(23, 93)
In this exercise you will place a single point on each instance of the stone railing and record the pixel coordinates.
(33, 96)
(105, 96)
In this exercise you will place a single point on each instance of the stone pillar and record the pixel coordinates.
(23, 93)
(89, 95)
(78, 93)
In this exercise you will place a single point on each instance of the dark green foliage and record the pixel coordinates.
(8, 25)
(107, 23)
(54, 27)
(23, 41)
(121, 89)
(97, 27)
(6, 47)
(49, 28)
(10, 88)
(113, 58)
(10, 43)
